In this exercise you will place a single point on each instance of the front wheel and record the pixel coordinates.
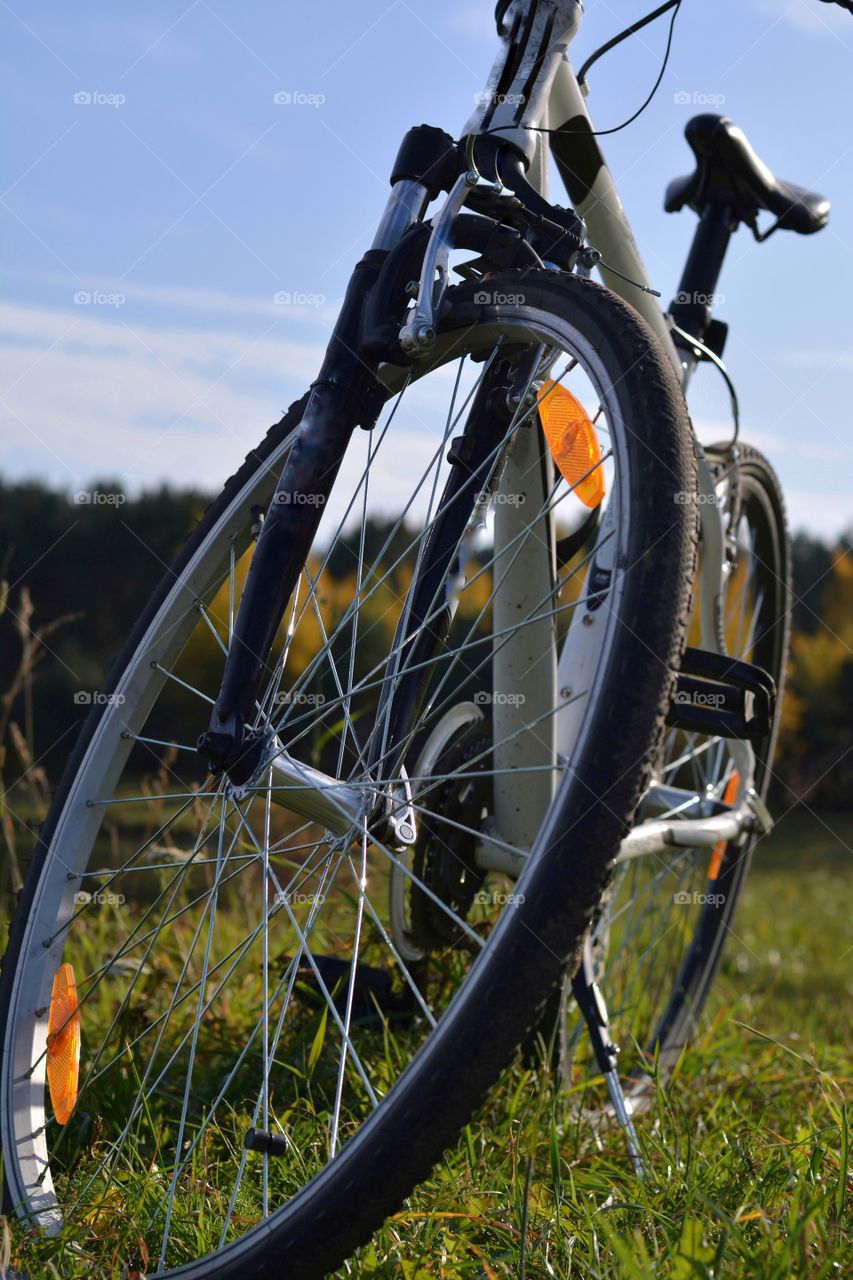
(228, 1039)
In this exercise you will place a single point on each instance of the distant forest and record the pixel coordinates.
(76, 576)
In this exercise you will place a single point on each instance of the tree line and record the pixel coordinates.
(76, 574)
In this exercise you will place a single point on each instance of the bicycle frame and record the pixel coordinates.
(532, 86)
(557, 103)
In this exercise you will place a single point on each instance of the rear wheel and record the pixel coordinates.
(660, 930)
(277, 1043)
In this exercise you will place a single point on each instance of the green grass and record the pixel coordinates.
(747, 1152)
(748, 1171)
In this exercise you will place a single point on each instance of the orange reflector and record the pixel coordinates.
(63, 1043)
(729, 797)
(573, 443)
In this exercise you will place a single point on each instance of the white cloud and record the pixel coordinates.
(87, 394)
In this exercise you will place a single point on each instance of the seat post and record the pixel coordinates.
(691, 306)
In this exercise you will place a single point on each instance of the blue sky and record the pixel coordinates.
(179, 198)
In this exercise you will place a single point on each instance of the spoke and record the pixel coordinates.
(143, 1097)
(100, 974)
(179, 1141)
(212, 629)
(347, 702)
(74, 874)
(687, 756)
(367, 684)
(282, 897)
(288, 977)
(462, 773)
(268, 701)
(401, 965)
(307, 871)
(178, 857)
(177, 679)
(538, 613)
(266, 981)
(356, 604)
(295, 619)
(339, 1089)
(153, 799)
(344, 698)
(158, 742)
(472, 831)
(403, 622)
(232, 556)
(448, 911)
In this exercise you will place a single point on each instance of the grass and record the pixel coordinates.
(747, 1152)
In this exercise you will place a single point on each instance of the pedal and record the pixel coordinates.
(374, 998)
(722, 696)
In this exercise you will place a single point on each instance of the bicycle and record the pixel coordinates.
(251, 995)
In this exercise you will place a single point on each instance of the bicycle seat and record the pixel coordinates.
(729, 173)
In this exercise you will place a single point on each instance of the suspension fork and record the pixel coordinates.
(345, 395)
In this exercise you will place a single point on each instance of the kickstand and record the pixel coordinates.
(591, 1004)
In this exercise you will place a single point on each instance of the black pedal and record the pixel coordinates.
(722, 696)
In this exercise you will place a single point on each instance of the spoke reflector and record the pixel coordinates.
(729, 797)
(63, 1043)
(573, 442)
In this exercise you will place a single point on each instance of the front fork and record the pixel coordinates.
(345, 395)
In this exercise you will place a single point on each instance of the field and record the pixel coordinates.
(747, 1155)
